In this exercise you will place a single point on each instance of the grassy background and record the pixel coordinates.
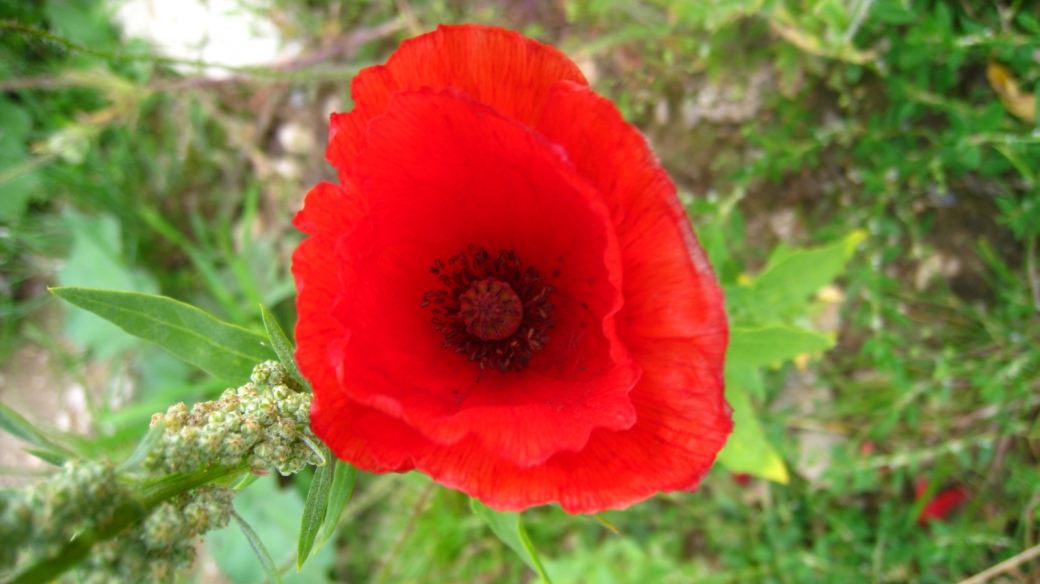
(784, 123)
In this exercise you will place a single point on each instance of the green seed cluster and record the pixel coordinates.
(82, 498)
(263, 423)
(155, 550)
(79, 499)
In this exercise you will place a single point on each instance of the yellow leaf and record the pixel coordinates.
(1022, 105)
(775, 470)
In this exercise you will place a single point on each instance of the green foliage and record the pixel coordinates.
(314, 508)
(748, 449)
(788, 280)
(510, 529)
(283, 347)
(778, 294)
(344, 476)
(754, 347)
(220, 349)
(148, 443)
(13, 422)
(262, 555)
(19, 180)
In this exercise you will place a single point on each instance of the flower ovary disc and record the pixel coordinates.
(493, 310)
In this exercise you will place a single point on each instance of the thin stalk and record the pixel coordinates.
(385, 572)
(1033, 272)
(1005, 566)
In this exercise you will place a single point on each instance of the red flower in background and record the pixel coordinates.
(939, 506)
(504, 291)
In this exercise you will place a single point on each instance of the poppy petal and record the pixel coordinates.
(496, 67)
(670, 289)
(322, 215)
(671, 447)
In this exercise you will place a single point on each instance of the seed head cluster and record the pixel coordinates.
(82, 498)
(155, 550)
(263, 423)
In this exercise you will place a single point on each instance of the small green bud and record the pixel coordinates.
(164, 527)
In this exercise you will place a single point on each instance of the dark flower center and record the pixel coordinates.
(491, 310)
(494, 310)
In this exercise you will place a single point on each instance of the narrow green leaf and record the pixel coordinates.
(508, 527)
(223, 350)
(145, 446)
(342, 486)
(772, 344)
(747, 450)
(258, 548)
(46, 455)
(246, 480)
(283, 347)
(314, 508)
(14, 423)
(155, 490)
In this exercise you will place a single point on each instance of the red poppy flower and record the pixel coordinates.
(504, 291)
(939, 506)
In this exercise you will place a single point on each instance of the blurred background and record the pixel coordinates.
(163, 146)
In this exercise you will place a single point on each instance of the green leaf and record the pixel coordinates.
(342, 486)
(314, 508)
(14, 423)
(223, 350)
(248, 479)
(155, 490)
(258, 548)
(772, 344)
(748, 450)
(145, 446)
(283, 347)
(508, 527)
(46, 455)
(794, 275)
(750, 378)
